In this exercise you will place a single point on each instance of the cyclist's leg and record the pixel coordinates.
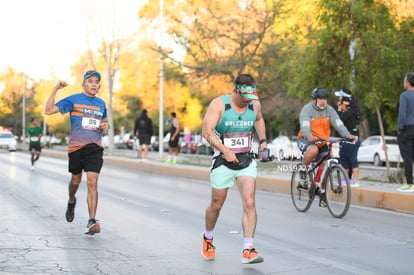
(309, 154)
(323, 181)
(309, 151)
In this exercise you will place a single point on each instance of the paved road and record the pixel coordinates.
(151, 224)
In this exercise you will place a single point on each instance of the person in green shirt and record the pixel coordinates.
(228, 126)
(34, 133)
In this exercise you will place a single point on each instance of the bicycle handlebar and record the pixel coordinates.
(322, 140)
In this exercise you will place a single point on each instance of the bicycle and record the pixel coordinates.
(338, 189)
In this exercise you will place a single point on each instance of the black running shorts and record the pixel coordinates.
(35, 148)
(88, 158)
(144, 139)
(173, 143)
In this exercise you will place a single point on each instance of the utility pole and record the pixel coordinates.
(44, 104)
(161, 114)
(24, 111)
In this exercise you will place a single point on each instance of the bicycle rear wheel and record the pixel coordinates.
(301, 191)
(338, 191)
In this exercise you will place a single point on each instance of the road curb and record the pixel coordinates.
(360, 196)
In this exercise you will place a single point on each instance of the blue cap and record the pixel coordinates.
(91, 73)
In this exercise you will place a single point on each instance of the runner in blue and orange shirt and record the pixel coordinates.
(85, 151)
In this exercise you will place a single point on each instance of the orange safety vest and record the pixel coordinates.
(320, 128)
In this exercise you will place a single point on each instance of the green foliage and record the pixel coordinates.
(290, 47)
(380, 61)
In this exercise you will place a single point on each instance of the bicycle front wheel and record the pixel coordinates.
(338, 191)
(301, 191)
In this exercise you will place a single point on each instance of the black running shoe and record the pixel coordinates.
(322, 201)
(70, 212)
(92, 227)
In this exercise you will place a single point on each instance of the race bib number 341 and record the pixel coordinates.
(236, 142)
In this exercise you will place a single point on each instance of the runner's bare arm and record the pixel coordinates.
(259, 125)
(51, 108)
(211, 119)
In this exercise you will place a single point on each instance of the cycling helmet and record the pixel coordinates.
(319, 93)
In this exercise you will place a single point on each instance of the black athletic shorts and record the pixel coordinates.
(144, 139)
(173, 143)
(35, 148)
(88, 158)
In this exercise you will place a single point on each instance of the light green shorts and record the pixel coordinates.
(223, 177)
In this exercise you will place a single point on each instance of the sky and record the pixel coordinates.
(45, 37)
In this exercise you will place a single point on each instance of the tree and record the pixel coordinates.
(108, 28)
(378, 63)
(220, 39)
(15, 87)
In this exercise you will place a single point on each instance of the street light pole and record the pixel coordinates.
(24, 112)
(161, 112)
(44, 104)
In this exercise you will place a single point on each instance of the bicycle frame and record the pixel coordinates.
(330, 161)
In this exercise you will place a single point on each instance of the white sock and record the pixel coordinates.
(208, 234)
(247, 242)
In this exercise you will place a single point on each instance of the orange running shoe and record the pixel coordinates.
(208, 250)
(92, 227)
(250, 256)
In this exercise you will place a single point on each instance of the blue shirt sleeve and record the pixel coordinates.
(65, 106)
(402, 111)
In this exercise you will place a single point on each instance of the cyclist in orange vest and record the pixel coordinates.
(316, 119)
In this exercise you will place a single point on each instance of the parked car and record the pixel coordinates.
(46, 141)
(284, 148)
(188, 147)
(7, 141)
(155, 142)
(105, 141)
(204, 148)
(130, 141)
(191, 146)
(372, 150)
(119, 142)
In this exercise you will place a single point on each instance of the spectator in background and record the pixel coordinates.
(143, 130)
(174, 138)
(350, 116)
(34, 133)
(406, 131)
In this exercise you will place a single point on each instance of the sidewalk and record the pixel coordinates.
(371, 193)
